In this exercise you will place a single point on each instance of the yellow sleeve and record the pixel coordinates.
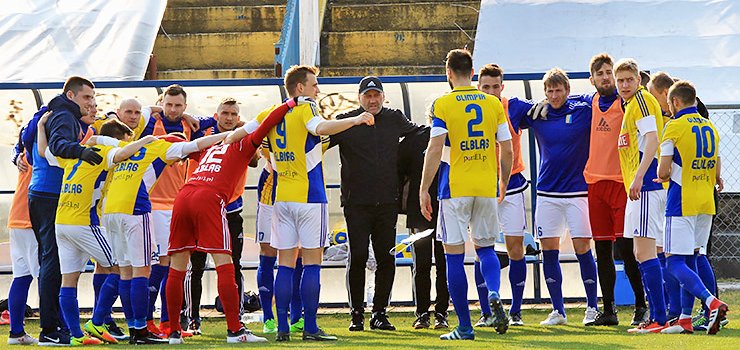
(140, 128)
(309, 113)
(672, 132)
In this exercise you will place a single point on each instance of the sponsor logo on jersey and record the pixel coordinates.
(603, 126)
(624, 141)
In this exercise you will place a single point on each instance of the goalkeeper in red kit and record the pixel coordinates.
(199, 221)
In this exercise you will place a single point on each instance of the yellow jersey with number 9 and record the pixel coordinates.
(472, 121)
(80, 194)
(296, 156)
(694, 170)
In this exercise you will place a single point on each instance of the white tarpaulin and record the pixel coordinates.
(49, 40)
(698, 40)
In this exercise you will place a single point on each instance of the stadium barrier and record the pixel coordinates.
(411, 94)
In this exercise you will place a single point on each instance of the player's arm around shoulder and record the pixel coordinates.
(130, 149)
(320, 126)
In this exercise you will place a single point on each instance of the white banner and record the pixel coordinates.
(698, 40)
(49, 40)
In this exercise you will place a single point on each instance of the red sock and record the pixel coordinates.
(174, 294)
(229, 296)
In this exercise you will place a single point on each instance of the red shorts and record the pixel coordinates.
(606, 202)
(199, 222)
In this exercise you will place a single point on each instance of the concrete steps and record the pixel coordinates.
(389, 48)
(217, 19)
(218, 39)
(391, 37)
(215, 50)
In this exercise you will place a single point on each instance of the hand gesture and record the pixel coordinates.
(425, 202)
(365, 118)
(91, 155)
(539, 110)
(45, 117)
(21, 164)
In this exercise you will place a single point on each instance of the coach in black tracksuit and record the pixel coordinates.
(370, 198)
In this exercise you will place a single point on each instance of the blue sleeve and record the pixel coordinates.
(62, 130)
(206, 122)
(518, 113)
(149, 128)
(588, 98)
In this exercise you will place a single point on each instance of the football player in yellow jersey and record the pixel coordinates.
(466, 124)
(78, 231)
(300, 215)
(690, 163)
(642, 127)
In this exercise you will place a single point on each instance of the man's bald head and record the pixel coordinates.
(129, 112)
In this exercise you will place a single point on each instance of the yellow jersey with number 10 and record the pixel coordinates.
(472, 120)
(694, 169)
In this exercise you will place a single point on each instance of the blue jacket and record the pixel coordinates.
(64, 131)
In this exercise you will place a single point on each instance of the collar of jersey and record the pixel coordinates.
(465, 88)
(685, 111)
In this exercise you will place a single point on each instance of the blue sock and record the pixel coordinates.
(310, 288)
(554, 278)
(17, 298)
(283, 280)
(98, 280)
(651, 306)
(124, 291)
(480, 284)
(155, 281)
(588, 275)
(457, 284)
(705, 272)
(70, 310)
(140, 293)
(108, 294)
(687, 299)
(296, 305)
(673, 289)
(265, 282)
(490, 267)
(689, 279)
(517, 279)
(653, 279)
(164, 315)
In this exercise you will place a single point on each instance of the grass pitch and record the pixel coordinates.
(531, 336)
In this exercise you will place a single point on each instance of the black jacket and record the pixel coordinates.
(64, 128)
(368, 155)
(410, 166)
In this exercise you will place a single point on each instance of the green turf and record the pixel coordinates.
(531, 336)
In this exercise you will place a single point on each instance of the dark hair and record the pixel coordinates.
(298, 74)
(116, 129)
(684, 91)
(75, 83)
(174, 90)
(599, 60)
(460, 61)
(491, 70)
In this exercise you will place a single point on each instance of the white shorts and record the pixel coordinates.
(554, 215)
(478, 213)
(264, 223)
(684, 234)
(24, 252)
(512, 216)
(299, 224)
(77, 244)
(161, 224)
(645, 217)
(132, 239)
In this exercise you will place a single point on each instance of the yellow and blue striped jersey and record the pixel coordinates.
(642, 114)
(296, 156)
(80, 194)
(134, 178)
(473, 122)
(693, 141)
(100, 121)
